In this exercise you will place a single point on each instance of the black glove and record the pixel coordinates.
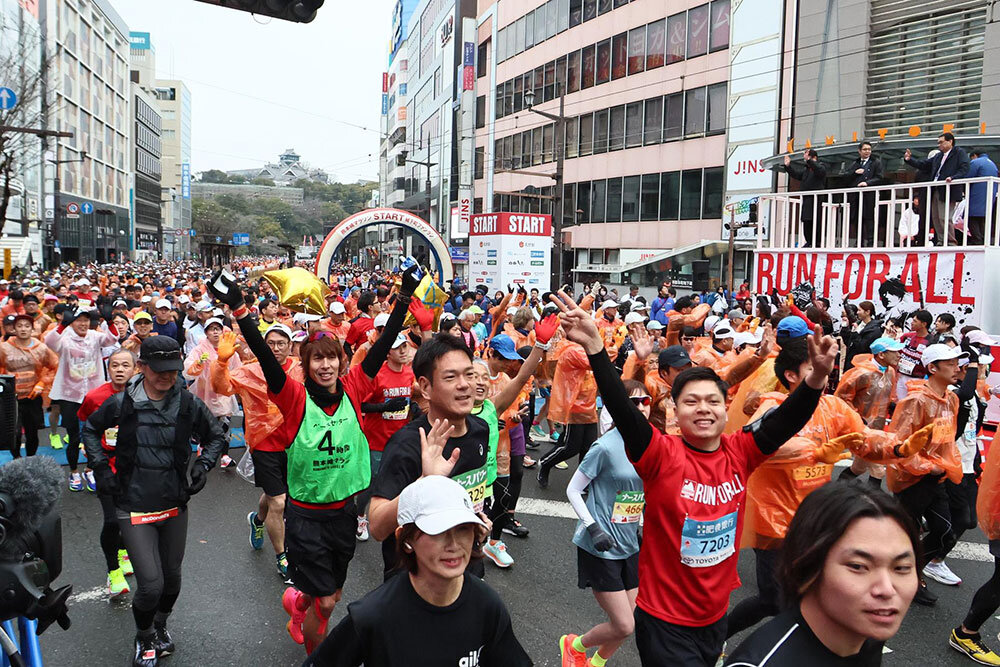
(971, 350)
(602, 541)
(521, 290)
(199, 475)
(502, 424)
(396, 404)
(410, 281)
(68, 317)
(229, 293)
(107, 482)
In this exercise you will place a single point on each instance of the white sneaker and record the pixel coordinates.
(941, 573)
(497, 552)
(362, 529)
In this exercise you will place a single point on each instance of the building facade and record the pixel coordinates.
(147, 213)
(288, 169)
(293, 196)
(174, 100)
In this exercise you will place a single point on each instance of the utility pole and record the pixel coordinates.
(557, 201)
(402, 158)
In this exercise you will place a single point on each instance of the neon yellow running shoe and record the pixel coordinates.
(116, 583)
(124, 563)
(55, 441)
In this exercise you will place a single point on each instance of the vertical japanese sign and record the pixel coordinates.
(186, 181)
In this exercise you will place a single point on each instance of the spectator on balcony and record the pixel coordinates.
(981, 196)
(950, 163)
(812, 176)
(865, 172)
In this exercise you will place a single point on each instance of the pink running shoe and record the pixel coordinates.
(290, 600)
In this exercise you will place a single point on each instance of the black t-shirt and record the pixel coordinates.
(787, 641)
(394, 627)
(401, 466)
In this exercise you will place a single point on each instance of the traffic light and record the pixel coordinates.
(299, 11)
(753, 212)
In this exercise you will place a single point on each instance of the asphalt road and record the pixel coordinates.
(229, 612)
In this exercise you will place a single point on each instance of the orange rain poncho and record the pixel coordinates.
(748, 395)
(869, 390)
(988, 502)
(199, 371)
(260, 416)
(32, 367)
(919, 408)
(574, 391)
(677, 321)
(503, 444)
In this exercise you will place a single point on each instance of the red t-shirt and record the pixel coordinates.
(91, 402)
(379, 426)
(909, 362)
(359, 327)
(694, 517)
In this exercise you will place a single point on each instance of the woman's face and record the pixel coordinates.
(121, 324)
(213, 334)
(868, 581)
(446, 555)
(642, 401)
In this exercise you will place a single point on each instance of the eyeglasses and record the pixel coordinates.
(162, 354)
(687, 339)
(640, 400)
(278, 344)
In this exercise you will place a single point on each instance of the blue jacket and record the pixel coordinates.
(659, 309)
(981, 166)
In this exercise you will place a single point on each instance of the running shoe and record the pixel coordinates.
(75, 482)
(543, 477)
(528, 462)
(924, 596)
(164, 644)
(974, 648)
(941, 573)
(116, 583)
(497, 552)
(55, 442)
(362, 529)
(145, 651)
(281, 560)
(124, 563)
(515, 528)
(570, 656)
(562, 465)
(539, 435)
(226, 462)
(256, 531)
(289, 600)
(88, 476)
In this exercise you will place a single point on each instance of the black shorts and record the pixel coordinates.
(605, 575)
(270, 471)
(320, 548)
(662, 643)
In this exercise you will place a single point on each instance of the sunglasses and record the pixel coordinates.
(320, 334)
(640, 400)
(688, 338)
(163, 354)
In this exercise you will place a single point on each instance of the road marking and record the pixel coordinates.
(93, 595)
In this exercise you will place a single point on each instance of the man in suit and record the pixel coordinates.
(865, 172)
(981, 196)
(812, 176)
(950, 163)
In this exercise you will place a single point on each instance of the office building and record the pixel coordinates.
(147, 213)
(175, 183)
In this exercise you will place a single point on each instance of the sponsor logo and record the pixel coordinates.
(491, 262)
(490, 253)
(719, 494)
(538, 253)
(537, 263)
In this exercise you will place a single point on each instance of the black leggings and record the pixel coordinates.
(156, 551)
(574, 440)
(30, 418)
(67, 413)
(506, 491)
(111, 533)
(928, 499)
(986, 601)
(753, 610)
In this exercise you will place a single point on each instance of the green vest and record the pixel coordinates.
(328, 460)
(488, 413)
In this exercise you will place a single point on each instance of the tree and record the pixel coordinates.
(213, 176)
(260, 180)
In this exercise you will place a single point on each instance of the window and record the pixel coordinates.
(481, 68)
(481, 111)
(573, 72)
(601, 131)
(676, 38)
(550, 18)
(519, 36)
(655, 43)
(694, 111)
(633, 125)
(569, 203)
(508, 97)
(603, 6)
(604, 61)
(518, 94)
(649, 197)
(719, 33)
(575, 12)
(540, 25)
(717, 97)
(589, 10)
(548, 137)
(536, 146)
(480, 161)
(586, 134)
(673, 117)
(691, 194)
(712, 200)
(538, 85)
(598, 200)
(516, 150)
(572, 137)
(528, 82)
(636, 50)
(653, 121)
(589, 58)
(562, 15)
(526, 148)
(619, 55)
(529, 30)
(630, 199)
(697, 31)
(614, 209)
(670, 195)
(617, 133)
(620, 3)
(508, 150)
(560, 76)
(498, 101)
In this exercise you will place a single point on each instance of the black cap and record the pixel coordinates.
(31, 297)
(161, 353)
(674, 356)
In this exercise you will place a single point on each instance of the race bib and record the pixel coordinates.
(474, 482)
(906, 365)
(708, 543)
(812, 475)
(628, 507)
(81, 368)
(142, 518)
(111, 437)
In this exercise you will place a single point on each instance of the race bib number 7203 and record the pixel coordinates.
(708, 543)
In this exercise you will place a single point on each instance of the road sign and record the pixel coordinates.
(179, 232)
(193, 233)
(87, 208)
(241, 239)
(73, 207)
(8, 98)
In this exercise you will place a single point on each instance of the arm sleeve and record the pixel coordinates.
(635, 430)
(775, 428)
(268, 364)
(221, 380)
(380, 348)
(968, 387)
(54, 338)
(574, 492)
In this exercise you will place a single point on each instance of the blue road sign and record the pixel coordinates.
(8, 98)
(86, 207)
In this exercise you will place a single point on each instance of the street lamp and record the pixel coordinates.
(557, 210)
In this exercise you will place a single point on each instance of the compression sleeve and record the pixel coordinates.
(775, 428)
(635, 430)
(968, 387)
(380, 348)
(269, 366)
(574, 492)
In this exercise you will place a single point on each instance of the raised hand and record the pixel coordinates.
(767, 342)
(907, 155)
(822, 355)
(579, 325)
(228, 345)
(224, 287)
(432, 449)
(422, 314)
(916, 442)
(832, 450)
(410, 281)
(546, 328)
(642, 343)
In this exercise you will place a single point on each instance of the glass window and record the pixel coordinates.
(656, 38)
(551, 9)
(691, 194)
(480, 112)
(712, 201)
(589, 65)
(569, 203)
(575, 12)
(636, 50)
(586, 134)
(538, 85)
(519, 36)
(515, 157)
(614, 209)
(598, 200)
(649, 197)
(617, 133)
(562, 15)
(548, 137)
(603, 6)
(697, 31)
(572, 137)
(676, 38)
(518, 94)
(694, 111)
(589, 10)
(536, 146)
(508, 94)
(604, 61)
(719, 34)
(619, 55)
(526, 148)
(620, 3)
(670, 195)
(653, 121)
(499, 101)
(583, 201)
(630, 199)
(673, 117)
(560, 76)
(601, 131)
(528, 82)
(633, 125)
(481, 62)
(508, 150)
(548, 92)
(529, 30)
(540, 25)
(716, 108)
(573, 72)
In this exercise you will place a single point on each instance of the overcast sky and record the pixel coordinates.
(260, 85)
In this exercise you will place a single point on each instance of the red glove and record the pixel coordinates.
(422, 314)
(545, 329)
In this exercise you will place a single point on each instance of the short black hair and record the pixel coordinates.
(689, 332)
(469, 295)
(366, 300)
(948, 319)
(924, 316)
(696, 374)
(683, 302)
(812, 153)
(977, 151)
(16, 295)
(863, 144)
(430, 351)
(793, 354)
(947, 136)
(382, 292)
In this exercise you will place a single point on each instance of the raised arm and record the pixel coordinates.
(380, 348)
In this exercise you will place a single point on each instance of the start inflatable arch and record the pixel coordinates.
(379, 216)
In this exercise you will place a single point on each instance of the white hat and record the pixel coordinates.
(214, 320)
(163, 303)
(610, 303)
(119, 302)
(723, 331)
(710, 322)
(381, 319)
(184, 298)
(639, 305)
(980, 337)
(277, 326)
(634, 318)
(146, 298)
(204, 307)
(654, 325)
(302, 318)
(744, 338)
(299, 336)
(436, 504)
(940, 352)
(511, 310)
(400, 340)
(337, 308)
(81, 282)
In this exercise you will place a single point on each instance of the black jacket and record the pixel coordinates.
(812, 176)
(860, 342)
(956, 166)
(152, 462)
(872, 172)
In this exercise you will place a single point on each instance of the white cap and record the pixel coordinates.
(214, 320)
(400, 340)
(723, 331)
(744, 338)
(511, 310)
(119, 302)
(163, 303)
(610, 303)
(337, 308)
(639, 305)
(277, 326)
(184, 298)
(217, 312)
(940, 352)
(654, 325)
(710, 322)
(381, 319)
(980, 337)
(146, 298)
(634, 318)
(81, 282)
(302, 318)
(436, 504)
(299, 336)
(204, 306)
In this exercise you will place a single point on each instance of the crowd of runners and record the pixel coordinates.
(701, 427)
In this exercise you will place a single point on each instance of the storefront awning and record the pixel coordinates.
(702, 250)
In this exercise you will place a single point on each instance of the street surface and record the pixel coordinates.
(229, 612)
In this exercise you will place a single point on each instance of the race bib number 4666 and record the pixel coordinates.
(708, 543)
(628, 507)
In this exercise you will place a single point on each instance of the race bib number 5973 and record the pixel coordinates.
(708, 543)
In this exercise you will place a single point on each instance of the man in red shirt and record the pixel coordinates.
(368, 308)
(915, 340)
(695, 491)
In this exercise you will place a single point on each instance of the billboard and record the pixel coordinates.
(510, 248)
(139, 41)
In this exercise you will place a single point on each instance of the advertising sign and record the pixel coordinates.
(459, 255)
(139, 41)
(511, 248)
(737, 211)
(186, 180)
